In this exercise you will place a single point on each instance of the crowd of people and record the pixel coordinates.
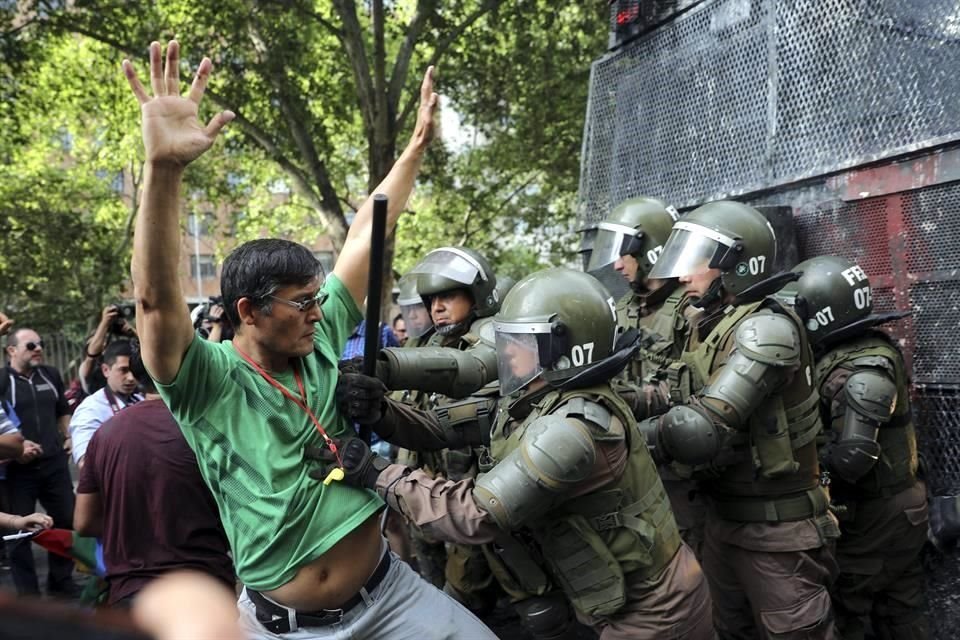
(727, 451)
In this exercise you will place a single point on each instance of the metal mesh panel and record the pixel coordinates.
(856, 230)
(739, 95)
(932, 218)
(936, 311)
(937, 415)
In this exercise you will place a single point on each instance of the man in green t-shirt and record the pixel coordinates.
(310, 556)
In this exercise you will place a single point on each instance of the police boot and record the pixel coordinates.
(547, 617)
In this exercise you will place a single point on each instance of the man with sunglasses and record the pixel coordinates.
(311, 555)
(34, 392)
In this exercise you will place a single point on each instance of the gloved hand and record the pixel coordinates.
(361, 467)
(360, 397)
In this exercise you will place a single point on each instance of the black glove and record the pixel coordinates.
(361, 467)
(360, 397)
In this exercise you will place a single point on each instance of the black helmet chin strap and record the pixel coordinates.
(711, 298)
(457, 329)
(649, 298)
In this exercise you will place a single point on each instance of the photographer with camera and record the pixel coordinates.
(114, 322)
(210, 322)
(119, 392)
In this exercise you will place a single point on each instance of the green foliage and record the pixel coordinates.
(322, 103)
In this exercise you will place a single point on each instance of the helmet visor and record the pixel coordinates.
(450, 264)
(690, 249)
(416, 318)
(518, 360)
(609, 244)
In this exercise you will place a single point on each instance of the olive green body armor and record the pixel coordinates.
(586, 545)
(896, 468)
(663, 334)
(767, 469)
(455, 463)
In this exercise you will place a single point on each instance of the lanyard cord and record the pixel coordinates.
(300, 402)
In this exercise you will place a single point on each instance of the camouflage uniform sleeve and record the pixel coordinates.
(442, 509)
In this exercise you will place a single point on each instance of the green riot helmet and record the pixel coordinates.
(638, 227)
(834, 299)
(451, 268)
(416, 317)
(554, 323)
(730, 236)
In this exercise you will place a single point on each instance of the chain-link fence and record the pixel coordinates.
(847, 112)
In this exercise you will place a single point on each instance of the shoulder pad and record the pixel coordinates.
(588, 411)
(874, 362)
(872, 394)
(770, 338)
(599, 419)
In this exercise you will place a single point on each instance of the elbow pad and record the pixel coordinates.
(688, 435)
(766, 355)
(554, 455)
(442, 370)
(871, 397)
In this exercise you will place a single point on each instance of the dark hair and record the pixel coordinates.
(256, 269)
(393, 322)
(139, 370)
(116, 349)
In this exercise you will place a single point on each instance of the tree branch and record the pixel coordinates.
(401, 66)
(441, 49)
(357, 56)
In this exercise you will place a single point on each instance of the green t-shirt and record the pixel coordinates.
(249, 440)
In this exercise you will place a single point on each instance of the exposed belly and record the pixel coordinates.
(337, 575)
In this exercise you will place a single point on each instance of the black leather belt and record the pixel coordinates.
(277, 619)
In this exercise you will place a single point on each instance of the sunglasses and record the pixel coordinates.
(304, 305)
(33, 346)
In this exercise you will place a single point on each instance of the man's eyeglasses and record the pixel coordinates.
(304, 305)
(33, 346)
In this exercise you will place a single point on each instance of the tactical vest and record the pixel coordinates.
(896, 470)
(662, 335)
(588, 544)
(441, 461)
(768, 472)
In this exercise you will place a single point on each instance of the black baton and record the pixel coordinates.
(371, 338)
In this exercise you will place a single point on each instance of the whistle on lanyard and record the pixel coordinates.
(336, 475)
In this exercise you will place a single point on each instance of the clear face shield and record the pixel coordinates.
(518, 357)
(416, 318)
(689, 250)
(450, 264)
(612, 240)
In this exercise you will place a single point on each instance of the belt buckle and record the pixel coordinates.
(335, 613)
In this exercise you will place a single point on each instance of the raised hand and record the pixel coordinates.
(172, 131)
(5, 324)
(425, 128)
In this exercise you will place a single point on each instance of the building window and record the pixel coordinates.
(201, 224)
(208, 268)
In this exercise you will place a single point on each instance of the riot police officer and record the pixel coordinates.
(631, 237)
(870, 451)
(748, 426)
(570, 497)
(458, 287)
(416, 317)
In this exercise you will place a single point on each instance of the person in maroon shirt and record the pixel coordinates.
(141, 493)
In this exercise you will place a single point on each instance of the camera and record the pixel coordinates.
(125, 313)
